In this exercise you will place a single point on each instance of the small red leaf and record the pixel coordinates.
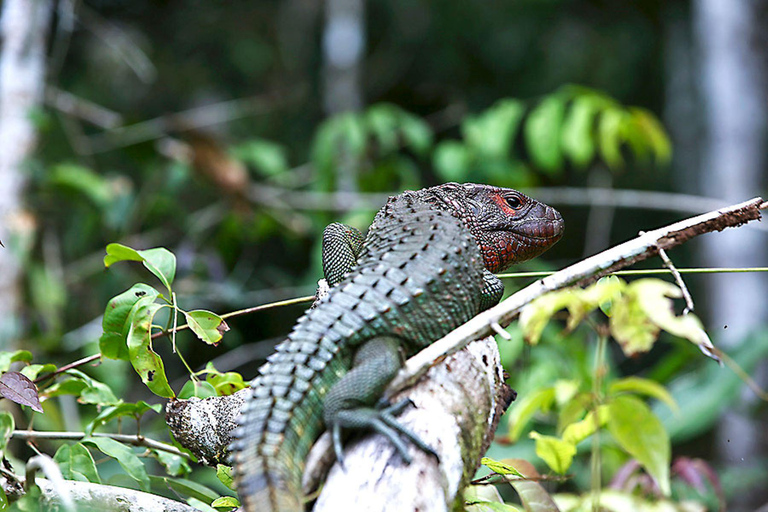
(17, 388)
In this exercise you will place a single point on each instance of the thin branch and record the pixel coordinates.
(135, 440)
(581, 273)
(58, 371)
(679, 280)
(120, 42)
(81, 108)
(198, 117)
(647, 272)
(241, 312)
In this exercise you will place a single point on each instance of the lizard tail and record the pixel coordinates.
(279, 424)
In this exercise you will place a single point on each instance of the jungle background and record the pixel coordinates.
(231, 133)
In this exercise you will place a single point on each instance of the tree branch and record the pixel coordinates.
(134, 440)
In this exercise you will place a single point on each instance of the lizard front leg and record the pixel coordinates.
(341, 247)
(493, 290)
(350, 403)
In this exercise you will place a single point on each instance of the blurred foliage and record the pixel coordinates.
(456, 91)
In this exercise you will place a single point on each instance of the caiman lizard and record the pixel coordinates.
(425, 267)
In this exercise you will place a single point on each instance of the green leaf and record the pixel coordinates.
(185, 488)
(485, 498)
(654, 132)
(7, 424)
(342, 136)
(224, 474)
(578, 140)
(161, 262)
(639, 432)
(6, 358)
(630, 325)
(523, 411)
(124, 456)
(208, 326)
(565, 390)
(382, 122)
(536, 314)
(202, 506)
(34, 370)
(573, 410)
(609, 135)
(580, 430)
(543, 133)
(416, 133)
(87, 389)
(493, 132)
(499, 467)
(197, 389)
(653, 297)
(84, 181)
(452, 161)
(226, 383)
(113, 342)
(76, 463)
(225, 502)
(490, 506)
(643, 387)
(557, 453)
(175, 465)
(145, 361)
(125, 409)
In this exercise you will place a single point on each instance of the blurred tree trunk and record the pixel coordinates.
(24, 26)
(734, 160)
(343, 51)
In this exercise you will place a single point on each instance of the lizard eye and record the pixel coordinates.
(513, 202)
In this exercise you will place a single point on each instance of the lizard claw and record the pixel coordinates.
(395, 409)
(337, 448)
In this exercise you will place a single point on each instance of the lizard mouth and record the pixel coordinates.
(540, 231)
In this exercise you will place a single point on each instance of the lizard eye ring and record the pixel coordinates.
(514, 202)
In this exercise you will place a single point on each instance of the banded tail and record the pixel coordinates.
(281, 421)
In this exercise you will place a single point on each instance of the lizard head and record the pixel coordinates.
(509, 226)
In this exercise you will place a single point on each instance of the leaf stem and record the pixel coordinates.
(597, 391)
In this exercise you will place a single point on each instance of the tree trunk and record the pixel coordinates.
(24, 26)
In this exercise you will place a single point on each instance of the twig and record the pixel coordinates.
(646, 272)
(193, 118)
(79, 362)
(81, 108)
(240, 312)
(120, 42)
(581, 273)
(679, 280)
(52, 472)
(123, 438)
